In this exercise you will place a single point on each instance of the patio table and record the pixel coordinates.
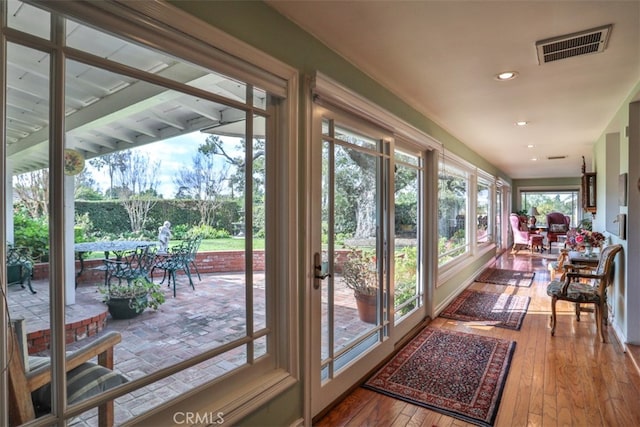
(118, 247)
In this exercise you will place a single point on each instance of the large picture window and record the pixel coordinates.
(466, 211)
(551, 200)
(146, 134)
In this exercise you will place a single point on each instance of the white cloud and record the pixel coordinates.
(174, 154)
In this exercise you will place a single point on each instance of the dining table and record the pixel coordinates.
(115, 247)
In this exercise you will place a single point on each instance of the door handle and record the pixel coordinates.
(318, 275)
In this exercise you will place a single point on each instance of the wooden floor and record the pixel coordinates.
(571, 379)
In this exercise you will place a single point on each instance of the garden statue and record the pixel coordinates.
(164, 234)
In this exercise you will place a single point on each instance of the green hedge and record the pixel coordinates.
(110, 217)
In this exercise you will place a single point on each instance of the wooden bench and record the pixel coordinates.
(23, 381)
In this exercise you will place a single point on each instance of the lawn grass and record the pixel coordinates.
(208, 245)
(229, 244)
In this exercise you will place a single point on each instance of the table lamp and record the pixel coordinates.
(533, 211)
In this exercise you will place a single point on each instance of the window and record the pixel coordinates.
(547, 201)
(118, 94)
(465, 211)
(453, 211)
(484, 216)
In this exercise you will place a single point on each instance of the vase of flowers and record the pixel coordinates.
(586, 239)
(588, 249)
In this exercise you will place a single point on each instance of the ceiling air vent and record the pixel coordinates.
(576, 44)
(556, 157)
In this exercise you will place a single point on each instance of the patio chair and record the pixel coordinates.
(30, 386)
(571, 288)
(193, 245)
(175, 259)
(133, 265)
(19, 259)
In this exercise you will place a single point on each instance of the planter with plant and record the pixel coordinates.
(128, 300)
(360, 274)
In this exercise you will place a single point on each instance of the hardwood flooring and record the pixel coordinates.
(571, 379)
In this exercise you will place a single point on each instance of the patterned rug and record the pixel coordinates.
(506, 277)
(506, 311)
(458, 374)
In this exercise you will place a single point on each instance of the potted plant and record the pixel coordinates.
(128, 300)
(360, 274)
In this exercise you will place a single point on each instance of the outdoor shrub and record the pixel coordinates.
(406, 264)
(208, 232)
(32, 233)
(179, 231)
(83, 228)
(108, 216)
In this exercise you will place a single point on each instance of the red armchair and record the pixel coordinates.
(558, 225)
(521, 233)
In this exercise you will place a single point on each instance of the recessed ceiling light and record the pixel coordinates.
(530, 146)
(534, 159)
(521, 123)
(506, 75)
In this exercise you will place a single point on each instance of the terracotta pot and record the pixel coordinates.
(367, 307)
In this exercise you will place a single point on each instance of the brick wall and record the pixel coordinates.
(41, 340)
(207, 262)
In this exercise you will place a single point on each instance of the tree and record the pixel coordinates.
(203, 182)
(136, 180)
(32, 188)
(237, 159)
(85, 187)
(113, 162)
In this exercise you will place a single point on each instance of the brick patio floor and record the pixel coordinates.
(189, 324)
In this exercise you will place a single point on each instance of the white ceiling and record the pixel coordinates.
(106, 111)
(441, 58)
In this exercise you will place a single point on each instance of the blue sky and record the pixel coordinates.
(174, 154)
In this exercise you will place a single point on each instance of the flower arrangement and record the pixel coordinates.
(584, 237)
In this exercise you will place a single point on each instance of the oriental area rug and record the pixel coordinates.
(458, 374)
(488, 308)
(505, 277)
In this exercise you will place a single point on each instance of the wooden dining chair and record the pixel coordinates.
(557, 267)
(584, 286)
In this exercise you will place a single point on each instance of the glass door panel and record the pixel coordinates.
(408, 289)
(350, 290)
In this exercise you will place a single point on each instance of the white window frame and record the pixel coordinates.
(465, 172)
(184, 35)
(489, 181)
(473, 249)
